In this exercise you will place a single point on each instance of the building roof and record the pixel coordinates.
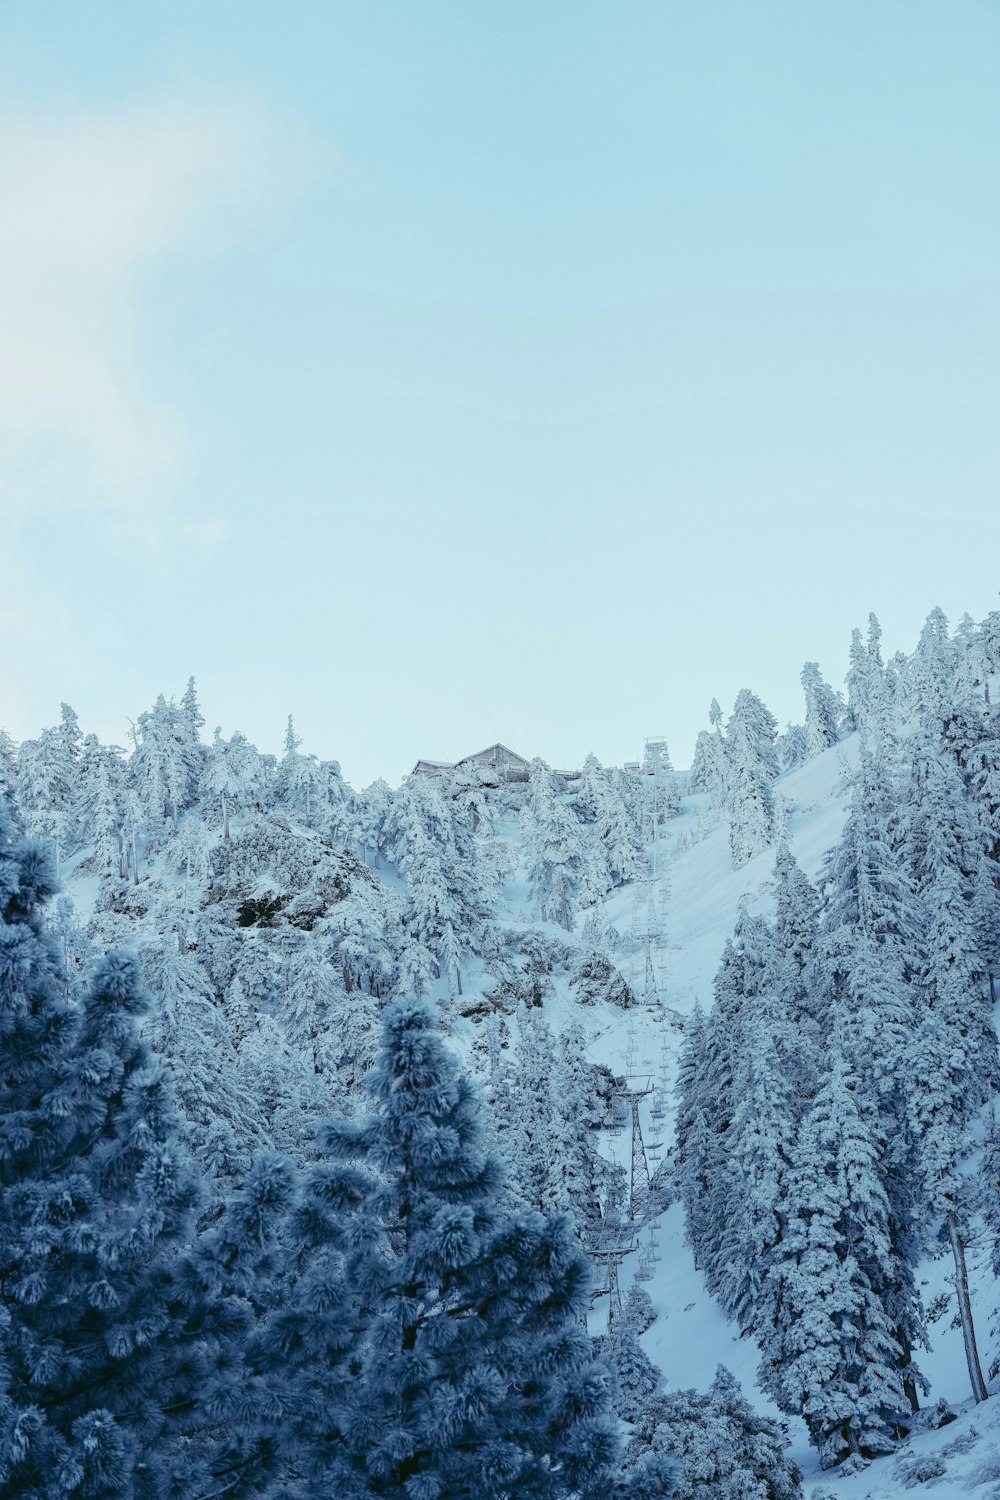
(431, 767)
(494, 755)
(490, 753)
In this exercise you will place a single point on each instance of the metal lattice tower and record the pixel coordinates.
(638, 1186)
(615, 1307)
(651, 945)
(650, 899)
(655, 764)
(609, 1246)
(637, 1085)
(663, 905)
(646, 936)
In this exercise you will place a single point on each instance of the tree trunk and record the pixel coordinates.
(979, 1390)
(909, 1381)
(225, 817)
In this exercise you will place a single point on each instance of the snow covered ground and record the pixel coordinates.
(691, 1336)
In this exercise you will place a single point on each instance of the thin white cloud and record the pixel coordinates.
(86, 202)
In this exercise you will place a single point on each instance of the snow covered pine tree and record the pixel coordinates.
(108, 1344)
(446, 1361)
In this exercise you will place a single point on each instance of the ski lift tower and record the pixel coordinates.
(638, 1186)
(655, 766)
(637, 1085)
(609, 1246)
(646, 931)
(654, 771)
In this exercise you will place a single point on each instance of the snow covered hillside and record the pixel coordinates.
(691, 1336)
(778, 966)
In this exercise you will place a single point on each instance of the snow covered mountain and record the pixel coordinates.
(778, 966)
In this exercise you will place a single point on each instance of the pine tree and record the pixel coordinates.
(833, 1355)
(46, 789)
(796, 909)
(555, 851)
(612, 818)
(796, 980)
(823, 710)
(869, 698)
(580, 1170)
(983, 769)
(72, 944)
(449, 1360)
(223, 1118)
(954, 1051)
(8, 763)
(109, 1346)
(871, 930)
(278, 1076)
(759, 1154)
(898, 688)
(857, 695)
(190, 855)
(636, 1378)
(106, 822)
(753, 766)
(238, 1011)
(709, 771)
(312, 996)
(191, 710)
(443, 900)
(303, 786)
(619, 828)
(724, 1449)
(166, 766)
(871, 952)
(69, 732)
(532, 1140)
(939, 1114)
(932, 672)
(793, 747)
(944, 848)
(709, 1098)
(370, 821)
(501, 1103)
(588, 791)
(986, 921)
(693, 1144)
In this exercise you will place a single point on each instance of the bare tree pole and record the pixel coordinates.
(979, 1390)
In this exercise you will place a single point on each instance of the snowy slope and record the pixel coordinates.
(691, 1336)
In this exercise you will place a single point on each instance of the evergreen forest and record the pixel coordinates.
(513, 1132)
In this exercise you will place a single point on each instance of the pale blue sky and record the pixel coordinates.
(452, 372)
